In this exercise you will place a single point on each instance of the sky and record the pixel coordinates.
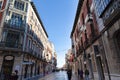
(58, 17)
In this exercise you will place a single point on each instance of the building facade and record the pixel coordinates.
(69, 60)
(85, 38)
(95, 40)
(54, 57)
(23, 41)
(109, 13)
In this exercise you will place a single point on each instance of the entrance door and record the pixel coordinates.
(118, 44)
(100, 68)
(7, 67)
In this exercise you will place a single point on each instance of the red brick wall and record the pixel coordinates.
(95, 24)
(83, 13)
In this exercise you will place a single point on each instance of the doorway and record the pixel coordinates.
(7, 67)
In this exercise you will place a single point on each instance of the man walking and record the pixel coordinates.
(69, 72)
(87, 74)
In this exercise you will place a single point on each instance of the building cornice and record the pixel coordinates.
(77, 16)
(37, 14)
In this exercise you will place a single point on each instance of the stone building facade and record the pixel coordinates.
(23, 41)
(95, 39)
(86, 40)
(110, 28)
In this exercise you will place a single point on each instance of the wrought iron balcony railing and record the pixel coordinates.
(35, 37)
(10, 45)
(29, 50)
(15, 24)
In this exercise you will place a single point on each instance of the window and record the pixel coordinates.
(0, 4)
(26, 7)
(29, 44)
(16, 19)
(15, 15)
(12, 39)
(100, 5)
(3, 36)
(19, 5)
(83, 19)
(25, 19)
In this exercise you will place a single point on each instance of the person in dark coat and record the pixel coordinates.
(16, 75)
(78, 73)
(81, 74)
(69, 73)
(87, 74)
(12, 76)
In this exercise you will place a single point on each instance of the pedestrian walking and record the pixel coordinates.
(87, 74)
(12, 76)
(81, 74)
(16, 75)
(78, 74)
(69, 72)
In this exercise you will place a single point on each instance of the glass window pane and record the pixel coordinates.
(19, 5)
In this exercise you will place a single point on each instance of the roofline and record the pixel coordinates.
(36, 12)
(77, 16)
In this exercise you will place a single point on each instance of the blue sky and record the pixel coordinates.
(58, 18)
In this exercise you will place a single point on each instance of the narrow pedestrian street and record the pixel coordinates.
(60, 40)
(61, 75)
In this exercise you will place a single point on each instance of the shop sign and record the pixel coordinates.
(9, 58)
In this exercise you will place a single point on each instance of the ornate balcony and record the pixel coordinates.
(35, 37)
(10, 45)
(29, 50)
(15, 24)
